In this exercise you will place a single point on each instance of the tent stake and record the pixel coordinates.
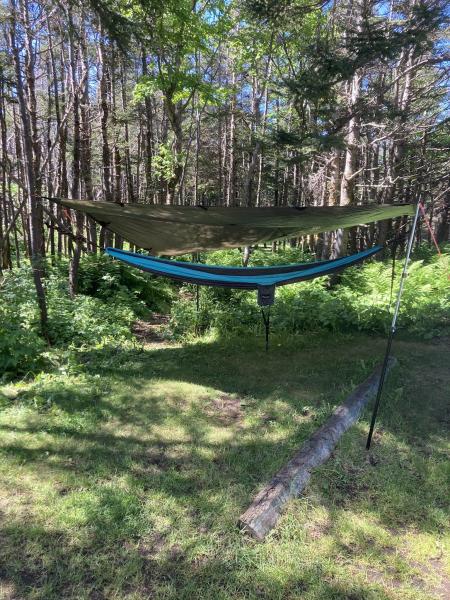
(393, 327)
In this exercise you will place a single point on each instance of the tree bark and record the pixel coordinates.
(26, 109)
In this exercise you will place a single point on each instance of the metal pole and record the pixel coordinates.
(393, 327)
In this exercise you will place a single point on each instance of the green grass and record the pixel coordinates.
(124, 477)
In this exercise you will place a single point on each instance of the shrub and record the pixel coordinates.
(83, 322)
(20, 346)
(86, 321)
(20, 343)
(102, 277)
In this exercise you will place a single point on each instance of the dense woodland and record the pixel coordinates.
(217, 102)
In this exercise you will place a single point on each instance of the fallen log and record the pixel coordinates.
(289, 482)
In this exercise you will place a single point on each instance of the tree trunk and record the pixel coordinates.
(76, 156)
(29, 146)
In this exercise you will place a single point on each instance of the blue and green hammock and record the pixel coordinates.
(172, 230)
(263, 279)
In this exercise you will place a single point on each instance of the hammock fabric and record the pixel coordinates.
(173, 230)
(264, 279)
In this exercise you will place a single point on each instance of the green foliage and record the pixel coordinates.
(179, 86)
(111, 297)
(103, 278)
(20, 344)
(179, 30)
(87, 322)
(324, 62)
(164, 162)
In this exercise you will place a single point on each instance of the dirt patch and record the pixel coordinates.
(156, 458)
(227, 409)
(380, 578)
(200, 561)
(268, 418)
(150, 461)
(442, 589)
(7, 591)
(176, 553)
(437, 590)
(156, 461)
(151, 332)
(318, 529)
(151, 548)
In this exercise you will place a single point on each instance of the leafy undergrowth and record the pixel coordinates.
(123, 476)
(111, 297)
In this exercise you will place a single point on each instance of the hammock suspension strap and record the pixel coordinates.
(266, 319)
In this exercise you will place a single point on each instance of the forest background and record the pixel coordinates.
(136, 428)
(217, 103)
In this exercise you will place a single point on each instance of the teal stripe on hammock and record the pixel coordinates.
(248, 271)
(184, 273)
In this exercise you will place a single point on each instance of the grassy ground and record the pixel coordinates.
(124, 478)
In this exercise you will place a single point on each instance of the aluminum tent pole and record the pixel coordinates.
(393, 326)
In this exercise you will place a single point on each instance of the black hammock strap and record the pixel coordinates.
(266, 318)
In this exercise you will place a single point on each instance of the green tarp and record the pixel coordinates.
(175, 230)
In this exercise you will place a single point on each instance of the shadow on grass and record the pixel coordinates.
(42, 564)
(212, 480)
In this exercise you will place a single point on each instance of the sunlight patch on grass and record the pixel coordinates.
(126, 480)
